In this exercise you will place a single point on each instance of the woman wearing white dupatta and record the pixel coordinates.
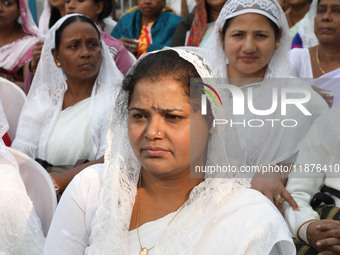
(253, 57)
(20, 231)
(61, 123)
(321, 62)
(143, 200)
(16, 40)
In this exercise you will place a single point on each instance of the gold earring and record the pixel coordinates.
(277, 45)
(222, 45)
(58, 64)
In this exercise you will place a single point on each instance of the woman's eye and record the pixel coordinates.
(261, 35)
(237, 35)
(173, 117)
(138, 116)
(7, 3)
(74, 46)
(321, 10)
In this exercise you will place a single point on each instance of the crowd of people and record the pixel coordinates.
(131, 120)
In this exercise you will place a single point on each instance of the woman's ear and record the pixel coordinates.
(55, 55)
(100, 7)
(220, 34)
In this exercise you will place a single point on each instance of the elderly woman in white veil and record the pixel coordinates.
(20, 231)
(67, 112)
(143, 199)
(251, 52)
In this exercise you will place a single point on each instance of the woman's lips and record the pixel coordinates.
(154, 151)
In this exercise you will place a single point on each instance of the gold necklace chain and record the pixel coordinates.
(318, 60)
(144, 250)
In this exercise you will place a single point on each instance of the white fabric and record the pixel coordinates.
(11, 54)
(109, 24)
(306, 27)
(104, 200)
(301, 66)
(238, 227)
(300, 63)
(70, 133)
(20, 231)
(13, 99)
(45, 18)
(44, 102)
(176, 5)
(270, 9)
(39, 187)
(321, 146)
(266, 145)
(294, 29)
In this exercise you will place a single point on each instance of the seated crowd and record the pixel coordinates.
(130, 119)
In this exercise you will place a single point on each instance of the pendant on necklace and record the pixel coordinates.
(143, 251)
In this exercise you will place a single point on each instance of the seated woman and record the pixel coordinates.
(148, 28)
(196, 27)
(254, 59)
(67, 112)
(20, 231)
(98, 10)
(144, 200)
(321, 62)
(317, 225)
(16, 40)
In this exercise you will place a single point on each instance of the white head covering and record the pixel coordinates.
(46, 97)
(117, 196)
(45, 18)
(270, 9)
(306, 27)
(267, 144)
(20, 230)
(13, 55)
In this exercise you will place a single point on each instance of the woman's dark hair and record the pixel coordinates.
(55, 16)
(228, 22)
(107, 9)
(68, 21)
(161, 64)
(165, 63)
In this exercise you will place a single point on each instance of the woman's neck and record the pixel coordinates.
(76, 92)
(329, 56)
(10, 33)
(147, 20)
(296, 12)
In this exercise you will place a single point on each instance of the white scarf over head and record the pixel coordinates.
(268, 8)
(117, 196)
(306, 27)
(46, 96)
(20, 232)
(12, 55)
(266, 144)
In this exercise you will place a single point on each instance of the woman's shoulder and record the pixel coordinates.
(90, 177)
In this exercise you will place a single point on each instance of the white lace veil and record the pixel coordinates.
(110, 231)
(46, 96)
(20, 231)
(266, 145)
(278, 65)
(306, 28)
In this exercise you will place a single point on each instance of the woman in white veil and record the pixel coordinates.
(262, 68)
(45, 107)
(210, 216)
(20, 231)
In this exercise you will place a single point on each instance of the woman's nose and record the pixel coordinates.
(154, 129)
(249, 45)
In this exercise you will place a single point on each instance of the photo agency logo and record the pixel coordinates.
(283, 105)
